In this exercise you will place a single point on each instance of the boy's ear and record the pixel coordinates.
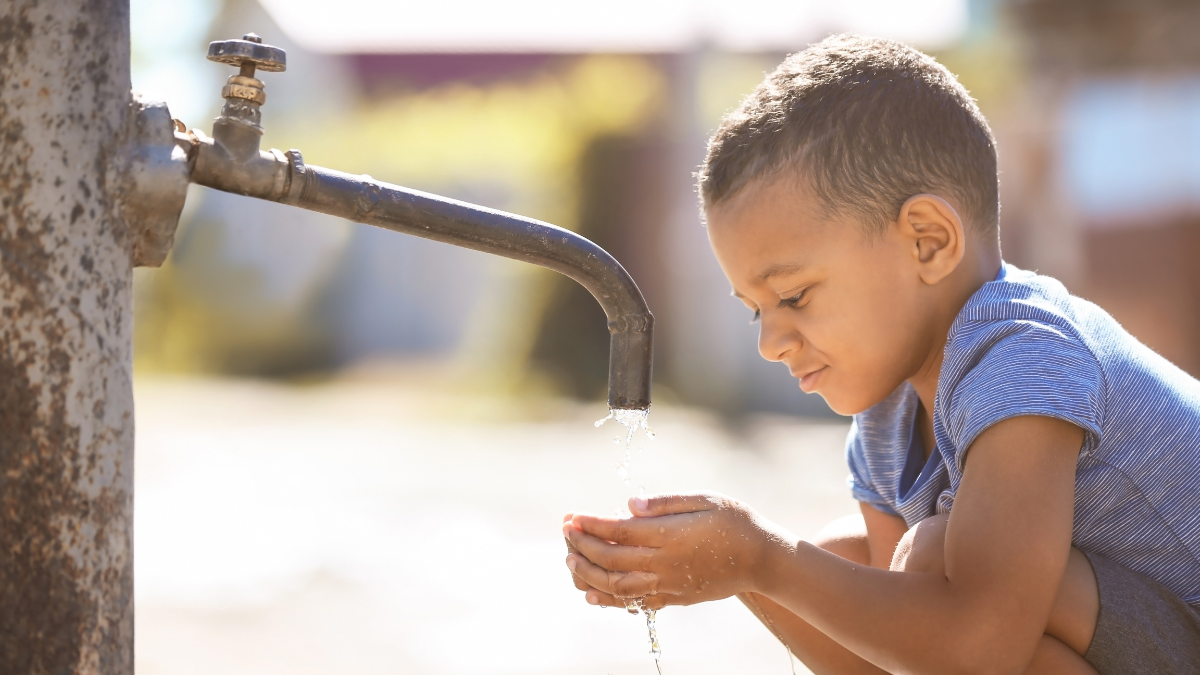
(935, 231)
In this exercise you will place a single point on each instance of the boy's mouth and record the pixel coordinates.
(808, 381)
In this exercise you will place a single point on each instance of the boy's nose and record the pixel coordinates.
(776, 338)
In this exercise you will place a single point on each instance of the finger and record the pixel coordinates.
(611, 557)
(602, 599)
(617, 584)
(567, 523)
(657, 602)
(624, 531)
(662, 505)
(591, 574)
(651, 602)
(572, 561)
(581, 584)
(635, 585)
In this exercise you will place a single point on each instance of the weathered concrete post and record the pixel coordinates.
(66, 398)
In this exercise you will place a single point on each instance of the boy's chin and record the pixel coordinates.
(844, 403)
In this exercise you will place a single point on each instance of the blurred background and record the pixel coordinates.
(354, 446)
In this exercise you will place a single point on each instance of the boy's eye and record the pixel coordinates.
(793, 301)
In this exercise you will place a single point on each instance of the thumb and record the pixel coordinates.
(665, 505)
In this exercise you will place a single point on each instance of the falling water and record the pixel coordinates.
(635, 605)
(633, 420)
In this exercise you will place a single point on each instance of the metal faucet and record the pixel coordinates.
(231, 160)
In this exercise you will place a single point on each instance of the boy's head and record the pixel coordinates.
(853, 201)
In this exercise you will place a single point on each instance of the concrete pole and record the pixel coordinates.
(66, 396)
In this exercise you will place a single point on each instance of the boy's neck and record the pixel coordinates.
(974, 271)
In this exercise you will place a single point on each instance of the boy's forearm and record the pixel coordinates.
(817, 651)
(892, 619)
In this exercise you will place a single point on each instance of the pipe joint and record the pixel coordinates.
(265, 174)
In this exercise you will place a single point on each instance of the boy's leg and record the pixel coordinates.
(1055, 658)
(1072, 619)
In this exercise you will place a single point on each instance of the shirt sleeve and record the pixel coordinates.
(1031, 369)
(862, 488)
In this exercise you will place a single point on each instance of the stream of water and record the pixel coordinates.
(633, 420)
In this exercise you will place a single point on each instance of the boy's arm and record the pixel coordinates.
(1007, 543)
(819, 653)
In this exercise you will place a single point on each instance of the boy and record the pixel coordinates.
(1027, 471)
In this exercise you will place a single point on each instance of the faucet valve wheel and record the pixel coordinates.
(248, 54)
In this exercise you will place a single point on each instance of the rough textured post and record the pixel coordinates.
(66, 400)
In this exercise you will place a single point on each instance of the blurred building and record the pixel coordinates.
(1108, 161)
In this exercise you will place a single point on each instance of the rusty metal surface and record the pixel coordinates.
(66, 408)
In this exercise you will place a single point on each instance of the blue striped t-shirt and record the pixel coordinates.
(1022, 345)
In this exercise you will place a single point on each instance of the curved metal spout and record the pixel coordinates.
(630, 324)
(232, 161)
(284, 177)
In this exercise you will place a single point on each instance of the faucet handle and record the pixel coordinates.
(248, 53)
(240, 124)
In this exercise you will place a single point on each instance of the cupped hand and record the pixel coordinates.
(675, 550)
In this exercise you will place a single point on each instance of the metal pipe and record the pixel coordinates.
(67, 247)
(232, 161)
(365, 200)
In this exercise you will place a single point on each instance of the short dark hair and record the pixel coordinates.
(870, 123)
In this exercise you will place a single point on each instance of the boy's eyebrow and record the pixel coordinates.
(776, 270)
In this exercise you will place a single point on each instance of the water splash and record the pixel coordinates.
(632, 420)
(635, 605)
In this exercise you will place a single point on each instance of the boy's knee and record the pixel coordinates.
(847, 538)
(923, 547)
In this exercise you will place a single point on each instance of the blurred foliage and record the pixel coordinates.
(522, 139)
(991, 68)
(202, 314)
(724, 80)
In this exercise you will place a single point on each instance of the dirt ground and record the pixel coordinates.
(364, 526)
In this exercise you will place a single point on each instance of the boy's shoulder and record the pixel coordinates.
(1023, 345)
(1020, 297)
